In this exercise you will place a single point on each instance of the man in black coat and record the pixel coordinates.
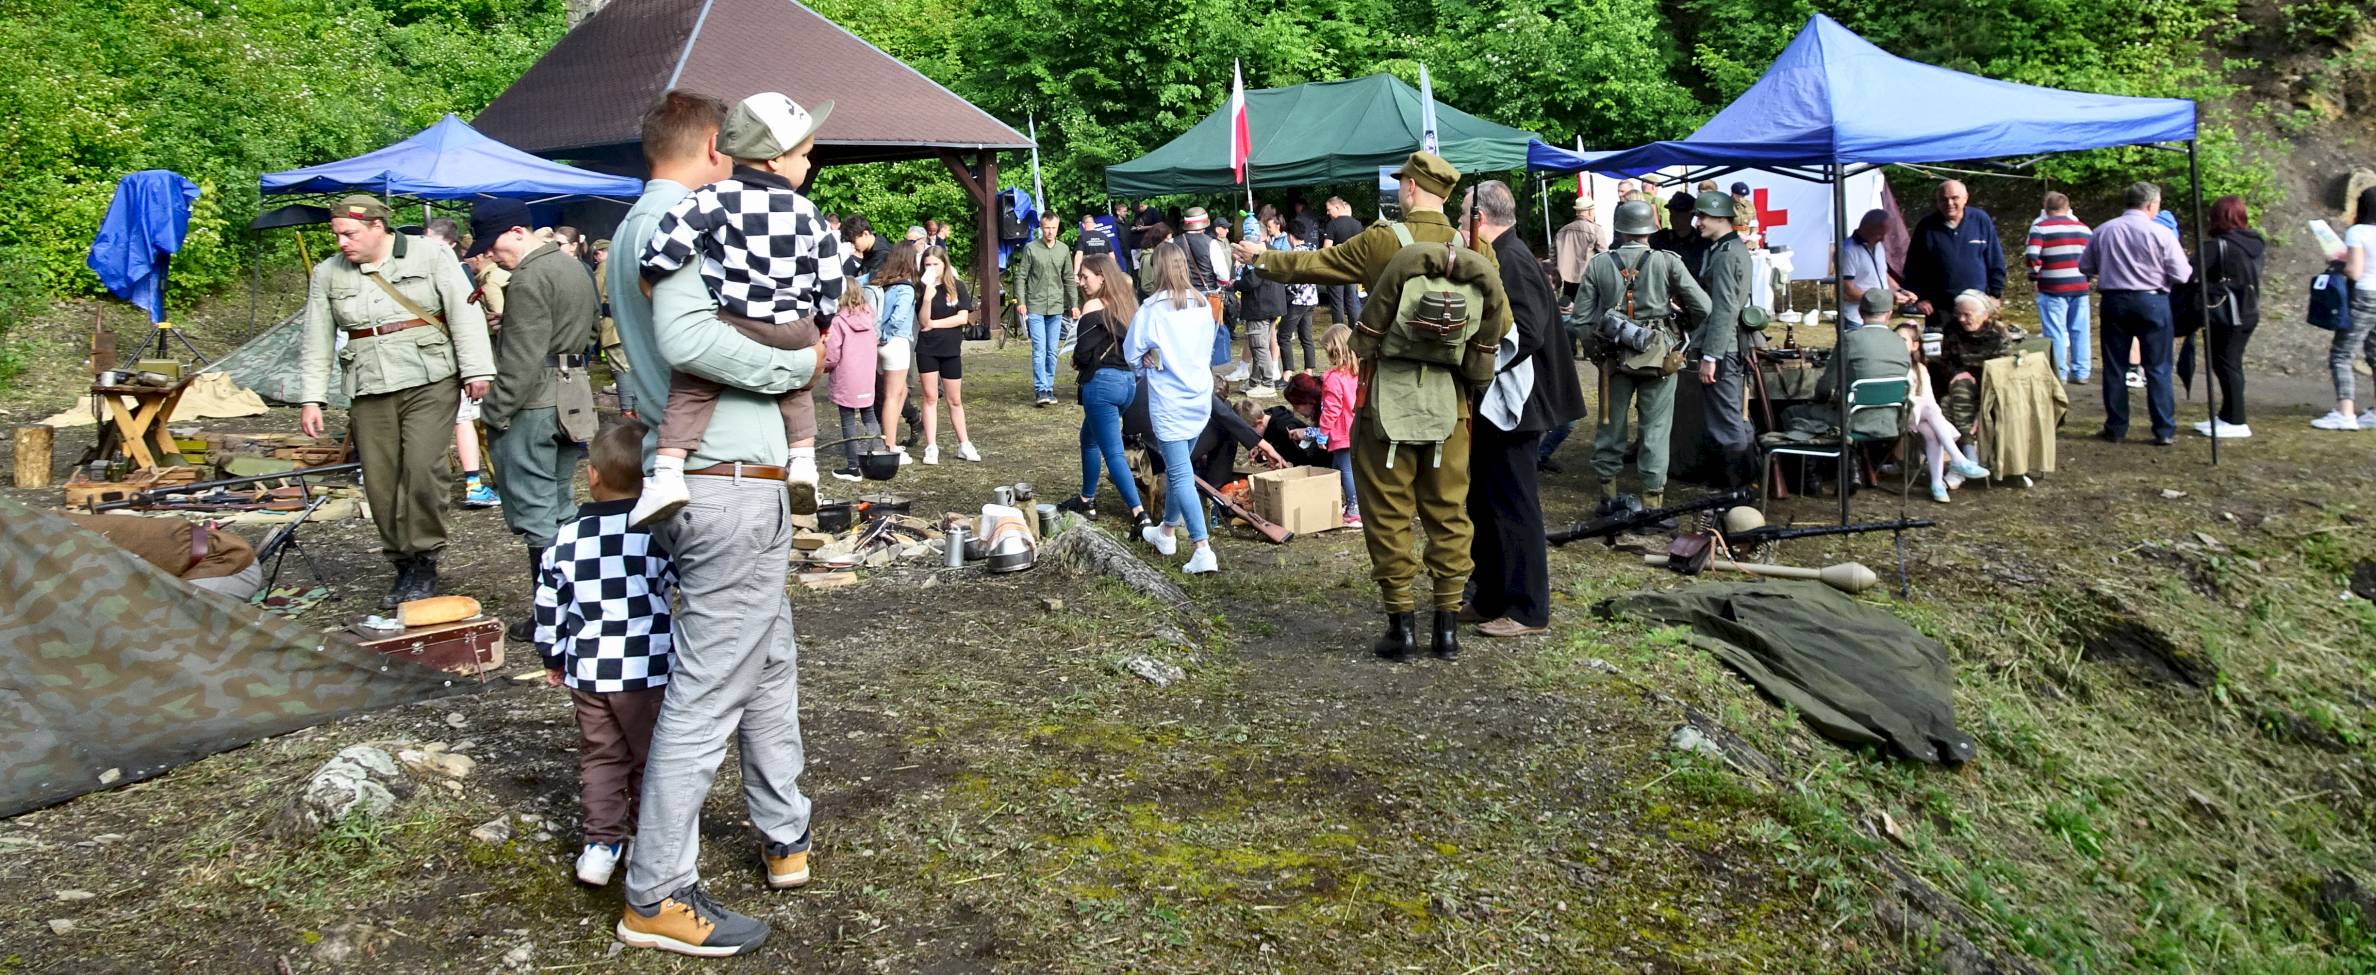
(1534, 389)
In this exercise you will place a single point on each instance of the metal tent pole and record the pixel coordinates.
(1839, 187)
(2194, 175)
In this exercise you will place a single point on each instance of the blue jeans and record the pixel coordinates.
(1047, 332)
(1104, 398)
(2145, 317)
(2064, 320)
(1181, 503)
(1552, 438)
(1342, 460)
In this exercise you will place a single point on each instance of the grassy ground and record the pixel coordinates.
(2172, 699)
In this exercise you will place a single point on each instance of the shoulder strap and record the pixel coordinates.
(1628, 274)
(1402, 234)
(407, 303)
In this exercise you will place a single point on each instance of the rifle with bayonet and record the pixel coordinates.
(216, 489)
(1607, 527)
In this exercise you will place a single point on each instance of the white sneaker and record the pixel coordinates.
(2367, 417)
(1263, 392)
(2227, 431)
(800, 477)
(1955, 481)
(1202, 562)
(2136, 378)
(1162, 538)
(932, 456)
(904, 459)
(663, 496)
(1239, 374)
(966, 452)
(2336, 421)
(594, 866)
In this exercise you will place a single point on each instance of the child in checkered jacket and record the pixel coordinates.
(775, 269)
(602, 628)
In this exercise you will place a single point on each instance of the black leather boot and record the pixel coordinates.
(1398, 642)
(424, 581)
(524, 629)
(402, 583)
(1445, 641)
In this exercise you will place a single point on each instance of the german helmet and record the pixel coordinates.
(1636, 218)
(1713, 205)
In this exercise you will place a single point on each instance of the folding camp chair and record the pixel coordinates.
(1863, 394)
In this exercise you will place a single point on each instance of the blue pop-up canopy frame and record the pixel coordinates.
(451, 161)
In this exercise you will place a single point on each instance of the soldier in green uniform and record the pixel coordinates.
(1431, 491)
(415, 344)
(553, 313)
(1644, 285)
(1726, 337)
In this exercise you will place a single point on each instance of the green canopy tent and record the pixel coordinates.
(1323, 132)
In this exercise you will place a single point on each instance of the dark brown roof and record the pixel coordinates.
(586, 97)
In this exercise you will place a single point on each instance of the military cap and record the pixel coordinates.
(490, 219)
(360, 207)
(1680, 202)
(769, 124)
(1713, 205)
(1635, 218)
(1441, 312)
(1430, 171)
(1877, 305)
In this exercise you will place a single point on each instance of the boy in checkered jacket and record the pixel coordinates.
(602, 629)
(775, 269)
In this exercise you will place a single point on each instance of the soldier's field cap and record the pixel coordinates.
(360, 207)
(1430, 171)
(490, 219)
(769, 124)
(1877, 305)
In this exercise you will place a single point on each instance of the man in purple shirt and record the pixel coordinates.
(2135, 261)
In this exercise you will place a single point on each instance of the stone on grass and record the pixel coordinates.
(519, 956)
(434, 759)
(111, 776)
(1690, 739)
(61, 927)
(494, 832)
(71, 896)
(1151, 670)
(361, 780)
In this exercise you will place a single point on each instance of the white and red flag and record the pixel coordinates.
(1241, 139)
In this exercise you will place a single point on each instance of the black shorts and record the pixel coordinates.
(950, 363)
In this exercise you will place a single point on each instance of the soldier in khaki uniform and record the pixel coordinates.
(1428, 490)
(407, 362)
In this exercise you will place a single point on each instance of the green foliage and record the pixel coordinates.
(222, 92)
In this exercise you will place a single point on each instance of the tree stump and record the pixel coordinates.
(33, 456)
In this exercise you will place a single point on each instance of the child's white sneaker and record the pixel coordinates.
(800, 476)
(594, 866)
(1161, 537)
(663, 496)
(932, 455)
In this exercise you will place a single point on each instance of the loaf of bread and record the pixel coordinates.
(437, 609)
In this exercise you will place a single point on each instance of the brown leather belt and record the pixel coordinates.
(759, 471)
(390, 328)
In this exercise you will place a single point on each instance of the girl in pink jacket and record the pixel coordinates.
(1339, 392)
(850, 361)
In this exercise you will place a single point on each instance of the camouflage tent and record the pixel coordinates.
(113, 665)
(268, 365)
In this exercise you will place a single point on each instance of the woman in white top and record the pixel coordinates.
(1171, 342)
(2359, 264)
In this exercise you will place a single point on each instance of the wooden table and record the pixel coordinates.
(140, 430)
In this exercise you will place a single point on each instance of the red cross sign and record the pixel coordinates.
(1767, 220)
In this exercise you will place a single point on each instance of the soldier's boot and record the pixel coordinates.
(424, 581)
(524, 628)
(1444, 642)
(403, 583)
(1398, 641)
(1657, 499)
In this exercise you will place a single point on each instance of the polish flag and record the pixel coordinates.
(1241, 139)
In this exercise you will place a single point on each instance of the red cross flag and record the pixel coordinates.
(1241, 139)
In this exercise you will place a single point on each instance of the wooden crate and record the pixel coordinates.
(470, 648)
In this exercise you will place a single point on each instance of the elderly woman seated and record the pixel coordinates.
(1975, 337)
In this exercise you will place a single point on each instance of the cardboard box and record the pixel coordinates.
(1301, 499)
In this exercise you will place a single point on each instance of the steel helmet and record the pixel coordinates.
(1636, 218)
(1713, 205)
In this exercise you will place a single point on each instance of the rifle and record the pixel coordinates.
(1276, 534)
(1755, 537)
(153, 496)
(1607, 527)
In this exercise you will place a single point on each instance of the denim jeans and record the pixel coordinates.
(1047, 332)
(2145, 317)
(1342, 460)
(2064, 320)
(1104, 398)
(1552, 438)
(1181, 503)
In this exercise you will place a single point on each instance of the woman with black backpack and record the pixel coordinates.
(2231, 276)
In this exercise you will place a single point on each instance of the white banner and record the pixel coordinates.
(1792, 213)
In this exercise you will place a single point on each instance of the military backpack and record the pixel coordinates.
(1425, 353)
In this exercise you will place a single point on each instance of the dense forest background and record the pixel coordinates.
(222, 90)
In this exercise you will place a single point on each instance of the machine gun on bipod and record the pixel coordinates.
(182, 495)
(1608, 527)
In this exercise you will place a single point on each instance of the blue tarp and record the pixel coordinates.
(1833, 97)
(144, 227)
(451, 161)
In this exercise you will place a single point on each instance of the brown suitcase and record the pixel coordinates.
(470, 648)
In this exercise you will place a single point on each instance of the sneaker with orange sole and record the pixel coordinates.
(689, 922)
(787, 863)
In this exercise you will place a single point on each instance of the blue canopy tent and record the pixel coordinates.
(1833, 103)
(451, 161)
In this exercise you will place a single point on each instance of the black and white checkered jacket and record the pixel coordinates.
(765, 253)
(602, 603)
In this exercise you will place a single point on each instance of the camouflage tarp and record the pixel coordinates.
(108, 663)
(268, 365)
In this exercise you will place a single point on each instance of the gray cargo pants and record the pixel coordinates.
(1725, 409)
(736, 673)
